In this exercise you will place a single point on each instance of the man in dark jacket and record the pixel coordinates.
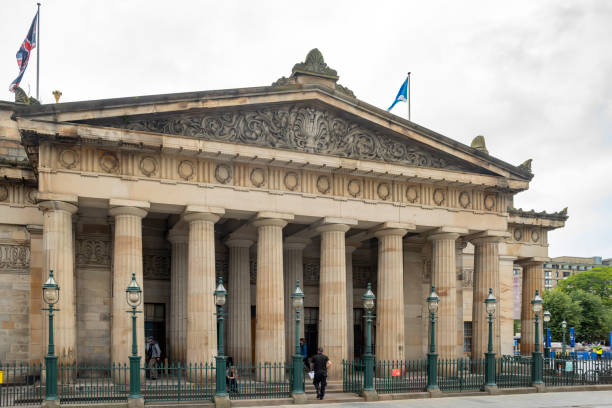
(153, 354)
(320, 364)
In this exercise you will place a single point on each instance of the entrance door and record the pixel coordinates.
(155, 324)
(311, 327)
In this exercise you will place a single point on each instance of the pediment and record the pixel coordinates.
(303, 127)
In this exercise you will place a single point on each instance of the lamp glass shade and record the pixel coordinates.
(50, 290)
(220, 293)
(432, 301)
(490, 302)
(564, 324)
(536, 303)
(368, 298)
(546, 316)
(298, 297)
(133, 293)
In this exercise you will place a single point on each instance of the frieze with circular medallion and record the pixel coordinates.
(148, 166)
(186, 169)
(439, 196)
(30, 196)
(223, 173)
(291, 180)
(535, 236)
(412, 194)
(69, 158)
(354, 187)
(464, 199)
(258, 177)
(489, 202)
(383, 191)
(517, 234)
(323, 184)
(109, 163)
(4, 193)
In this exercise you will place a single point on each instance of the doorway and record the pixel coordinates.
(155, 324)
(311, 329)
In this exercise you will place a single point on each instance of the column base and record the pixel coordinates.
(434, 392)
(369, 395)
(135, 402)
(299, 398)
(50, 403)
(491, 389)
(222, 401)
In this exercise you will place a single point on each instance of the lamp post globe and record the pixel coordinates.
(220, 295)
(51, 294)
(133, 296)
(546, 318)
(490, 307)
(537, 362)
(563, 344)
(297, 301)
(432, 358)
(368, 300)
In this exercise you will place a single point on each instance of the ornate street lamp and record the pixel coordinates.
(220, 298)
(368, 359)
(133, 296)
(490, 305)
(563, 345)
(50, 291)
(536, 373)
(432, 357)
(297, 298)
(546, 317)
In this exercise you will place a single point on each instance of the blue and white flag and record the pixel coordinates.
(23, 55)
(572, 338)
(402, 95)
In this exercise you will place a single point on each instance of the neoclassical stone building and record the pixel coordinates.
(264, 186)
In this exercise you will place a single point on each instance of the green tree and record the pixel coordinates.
(596, 317)
(597, 281)
(561, 307)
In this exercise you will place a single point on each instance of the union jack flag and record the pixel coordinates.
(23, 55)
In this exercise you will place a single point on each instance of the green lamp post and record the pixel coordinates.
(368, 358)
(563, 345)
(546, 317)
(220, 297)
(536, 357)
(50, 292)
(490, 305)
(432, 357)
(297, 298)
(133, 295)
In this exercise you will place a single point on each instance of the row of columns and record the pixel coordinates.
(193, 330)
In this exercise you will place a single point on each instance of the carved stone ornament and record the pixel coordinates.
(439, 196)
(258, 177)
(464, 199)
(223, 173)
(298, 127)
(535, 236)
(30, 195)
(354, 187)
(109, 162)
(93, 252)
(68, 158)
(383, 191)
(156, 265)
(14, 257)
(468, 278)
(4, 193)
(412, 194)
(489, 202)
(291, 180)
(186, 169)
(323, 184)
(517, 234)
(148, 166)
(315, 64)
(312, 270)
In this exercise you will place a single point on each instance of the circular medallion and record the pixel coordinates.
(109, 162)
(291, 180)
(258, 177)
(4, 193)
(68, 158)
(354, 187)
(148, 166)
(383, 191)
(489, 202)
(464, 199)
(412, 194)
(439, 196)
(186, 169)
(223, 173)
(517, 234)
(535, 236)
(31, 196)
(323, 184)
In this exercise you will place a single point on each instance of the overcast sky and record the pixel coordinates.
(533, 77)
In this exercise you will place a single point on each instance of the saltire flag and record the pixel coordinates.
(402, 95)
(23, 55)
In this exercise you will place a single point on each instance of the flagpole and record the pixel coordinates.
(38, 53)
(409, 96)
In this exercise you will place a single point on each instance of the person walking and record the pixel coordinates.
(153, 354)
(320, 364)
(304, 352)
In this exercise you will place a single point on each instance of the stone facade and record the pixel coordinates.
(262, 186)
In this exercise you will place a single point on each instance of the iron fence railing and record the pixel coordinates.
(79, 383)
(512, 372)
(572, 371)
(460, 374)
(178, 382)
(352, 376)
(400, 376)
(263, 380)
(20, 384)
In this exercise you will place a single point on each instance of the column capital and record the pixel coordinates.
(178, 236)
(57, 206)
(333, 227)
(295, 243)
(400, 232)
(238, 242)
(443, 235)
(446, 233)
(138, 212)
(265, 222)
(533, 261)
(67, 198)
(487, 237)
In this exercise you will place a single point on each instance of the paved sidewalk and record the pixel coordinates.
(589, 399)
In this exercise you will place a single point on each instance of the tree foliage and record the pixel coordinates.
(597, 281)
(561, 307)
(595, 317)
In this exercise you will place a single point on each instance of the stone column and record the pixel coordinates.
(460, 245)
(414, 295)
(127, 259)
(293, 260)
(58, 254)
(486, 275)
(332, 296)
(506, 304)
(390, 296)
(444, 278)
(201, 284)
(350, 315)
(533, 279)
(239, 300)
(178, 294)
(270, 296)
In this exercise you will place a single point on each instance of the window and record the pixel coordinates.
(566, 274)
(557, 274)
(548, 274)
(467, 337)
